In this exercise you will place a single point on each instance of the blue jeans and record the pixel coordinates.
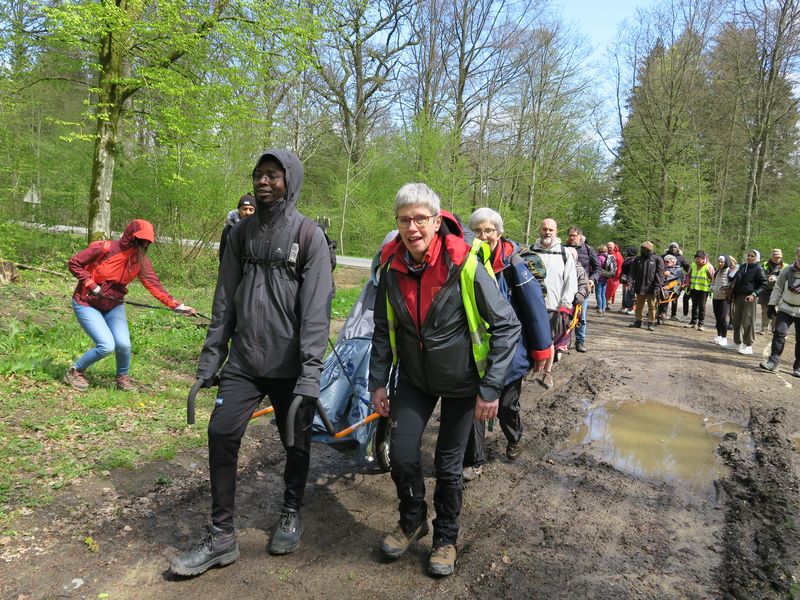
(109, 331)
(580, 330)
(600, 294)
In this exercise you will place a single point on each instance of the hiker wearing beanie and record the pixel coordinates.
(246, 207)
(104, 270)
(747, 285)
(772, 269)
(648, 277)
(283, 297)
(701, 274)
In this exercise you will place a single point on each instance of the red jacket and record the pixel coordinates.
(115, 268)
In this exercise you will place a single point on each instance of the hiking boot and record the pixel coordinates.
(700, 328)
(286, 534)
(769, 365)
(397, 542)
(76, 379)
(637, 324)
(651, 327)
(580, 346)
(124, 383)
(513, 450)
(472, 473)
(745, 349)
(547, 380)
(442, 561)
(216, 548)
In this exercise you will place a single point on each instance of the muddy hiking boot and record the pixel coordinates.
(580, 346)
(216, 548)
(124, 383)
(442, 561)
(472, 473)
(286, 534)
(547, 380)
(76, 379)
(396, 543)
(513, 450)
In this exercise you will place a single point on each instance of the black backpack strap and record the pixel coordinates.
(304, 239)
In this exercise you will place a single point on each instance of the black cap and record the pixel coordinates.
(246, 200)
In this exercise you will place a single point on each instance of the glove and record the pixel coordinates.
(210, 381)
(772, 311)
(565, 310)
(95, 291)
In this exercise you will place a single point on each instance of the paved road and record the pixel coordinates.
(348, 261)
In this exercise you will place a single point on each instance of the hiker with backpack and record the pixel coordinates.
(437, 303)
(272, 306)
(104, 270)
(519, 285)
(608, 270)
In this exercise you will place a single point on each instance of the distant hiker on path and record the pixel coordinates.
(246, 207)
(276, 317)
(104, 270)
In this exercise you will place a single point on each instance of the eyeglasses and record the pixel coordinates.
(271, 177)
(488, 231)
(420, 221)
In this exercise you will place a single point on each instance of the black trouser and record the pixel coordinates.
(510, 423)
(674, 303)
(782, 324)
(699, 298)
(722, 309)
(411, 410)
(686, 297)
(238, 396)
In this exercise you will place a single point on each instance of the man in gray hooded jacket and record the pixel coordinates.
(272, 304)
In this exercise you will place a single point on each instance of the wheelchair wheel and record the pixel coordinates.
(382, 440)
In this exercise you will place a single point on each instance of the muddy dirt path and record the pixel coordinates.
(565, 521)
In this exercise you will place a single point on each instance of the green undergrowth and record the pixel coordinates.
(52, 435)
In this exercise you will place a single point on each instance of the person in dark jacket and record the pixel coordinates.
(648, 277)
(524, 292)
(747, 285)
(104, 270)
(590, 263)
(438, 337)
(286, 308)
(675, 250)
(628, 295)
(772, 269)
(784, 307)
(246, 207)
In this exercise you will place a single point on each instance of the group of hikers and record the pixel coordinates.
(737, 291)
(462, 315)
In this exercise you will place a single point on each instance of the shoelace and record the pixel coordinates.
(287, 521)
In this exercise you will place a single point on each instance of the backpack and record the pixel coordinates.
(608, 268)
(536, 265)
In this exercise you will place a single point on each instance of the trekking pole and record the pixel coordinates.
(141, 305)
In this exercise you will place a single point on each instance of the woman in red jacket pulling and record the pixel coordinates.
(104, 270)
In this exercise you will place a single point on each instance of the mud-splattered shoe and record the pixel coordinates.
(124, 383)
(76, 379)
(472, 473)
(513, 451)
(216, 548)
(286, 534)
(397, 542)
(442, 561)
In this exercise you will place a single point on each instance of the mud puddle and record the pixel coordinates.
(655, 441)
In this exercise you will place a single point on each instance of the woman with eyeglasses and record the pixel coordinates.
(436, 303)
(523, 291)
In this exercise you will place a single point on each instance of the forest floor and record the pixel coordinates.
(660, 466)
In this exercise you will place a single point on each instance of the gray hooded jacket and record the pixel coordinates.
(277, 325)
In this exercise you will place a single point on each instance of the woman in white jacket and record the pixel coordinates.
(784, 306)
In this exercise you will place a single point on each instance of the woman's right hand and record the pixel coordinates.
(380, 402)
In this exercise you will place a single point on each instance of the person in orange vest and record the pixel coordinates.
(104, 270)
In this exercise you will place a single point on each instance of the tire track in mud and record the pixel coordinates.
(762, 520)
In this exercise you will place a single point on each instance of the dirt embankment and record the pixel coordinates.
(561, 522)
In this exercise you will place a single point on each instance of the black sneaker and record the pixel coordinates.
(637, 324)
(580, 346)
(286, 534)
(513, 451)
(216, 548)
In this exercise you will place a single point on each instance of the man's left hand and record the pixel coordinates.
(485, 409)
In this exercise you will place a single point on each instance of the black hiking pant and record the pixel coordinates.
(411, 410)
(238, 396)
(782, 324)
(722, 310)
(510, 423)
(699, 298)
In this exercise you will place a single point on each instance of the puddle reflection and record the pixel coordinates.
(657, 442)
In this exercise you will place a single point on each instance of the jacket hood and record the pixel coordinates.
(138, 229)
(756, 252)
(294, 181)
